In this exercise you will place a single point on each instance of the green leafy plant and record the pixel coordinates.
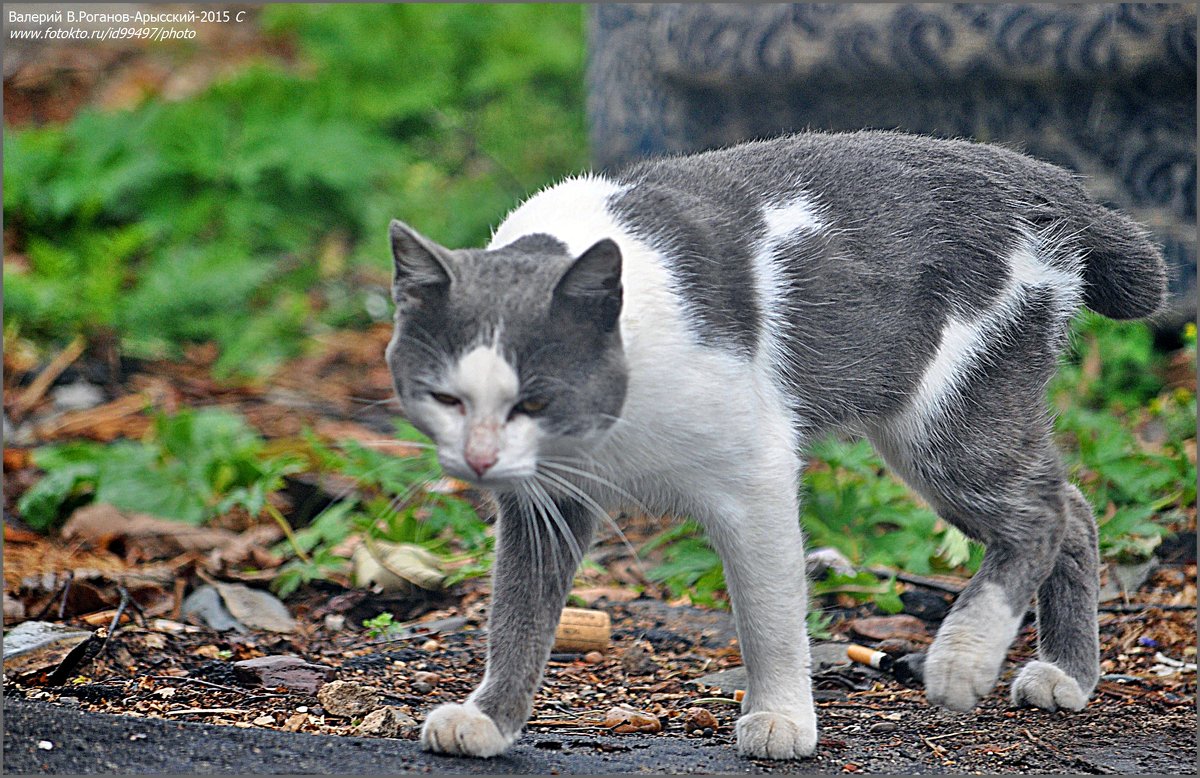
(380, 625)
(191, 466)
(392, 501)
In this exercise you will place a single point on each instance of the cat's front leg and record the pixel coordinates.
(763, 553)
(538, 547)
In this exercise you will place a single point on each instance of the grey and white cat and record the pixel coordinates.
(669, 338)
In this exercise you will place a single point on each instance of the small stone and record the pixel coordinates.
(431, 645)
(420, 687)
(883, 726)
(335, 622)
(626, 720)
(45, 745)
(593, 657)
(295, 722)
(78, 396)
(385, 722)
(426, 677)
(291, 672)
(636, 661)
(264, 720)
(698, 718)
(348, 699)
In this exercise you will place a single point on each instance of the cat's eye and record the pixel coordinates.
(446, 399)
(530, 406)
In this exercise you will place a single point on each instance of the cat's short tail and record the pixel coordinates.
(1124, 274)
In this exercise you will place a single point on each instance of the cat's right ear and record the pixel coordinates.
(420, 266)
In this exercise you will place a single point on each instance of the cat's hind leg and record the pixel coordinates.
(755, 529)
(1001, 484)
(1068, 663)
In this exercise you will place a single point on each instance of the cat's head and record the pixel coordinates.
(505, 357)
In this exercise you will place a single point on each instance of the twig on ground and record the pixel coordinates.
(1139, 607)
(274, 513)
(36, 390)
(918, 580)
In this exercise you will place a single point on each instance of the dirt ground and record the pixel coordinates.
(160, 677)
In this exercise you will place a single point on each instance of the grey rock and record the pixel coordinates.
(291, 672)
(348, 699)
(825, 657)
(385, 722)
(78, 396)
(206, 604)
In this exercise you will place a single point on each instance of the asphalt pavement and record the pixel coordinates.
(90, 743)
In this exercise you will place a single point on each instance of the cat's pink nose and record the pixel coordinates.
(480, 462)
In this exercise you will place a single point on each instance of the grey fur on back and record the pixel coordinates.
(918, 228)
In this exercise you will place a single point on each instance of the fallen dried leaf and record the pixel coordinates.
(591, 596)
(295, 722)
(901, 626)
(102, 526)
(396, 567)
(256, 608)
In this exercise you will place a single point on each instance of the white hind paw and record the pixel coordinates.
(1046, 686)
(959, 672)
(463, 730)
(770, 735)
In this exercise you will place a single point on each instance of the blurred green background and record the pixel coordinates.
(251, 213)
(218, 216)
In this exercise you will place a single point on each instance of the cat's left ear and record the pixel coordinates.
(593, 283)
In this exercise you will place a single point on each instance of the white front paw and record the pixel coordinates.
(772, 735)
(463, 730)
(1044, 685)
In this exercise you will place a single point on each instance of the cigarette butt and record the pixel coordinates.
(582, 630)
(868, 656)
(738, 695)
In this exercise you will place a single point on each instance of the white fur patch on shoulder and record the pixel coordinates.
(783, 220)
(573, 210)
(963, 340)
